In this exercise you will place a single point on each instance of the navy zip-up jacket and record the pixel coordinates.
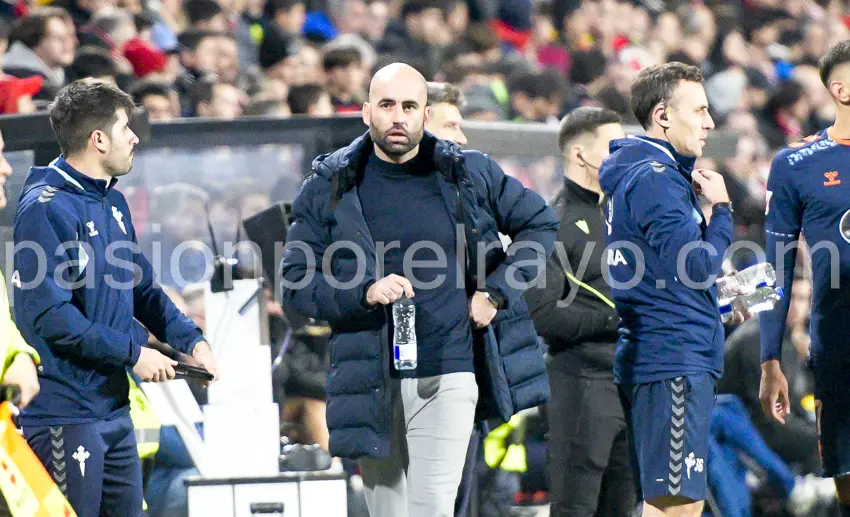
(80, 279)
(656, 243)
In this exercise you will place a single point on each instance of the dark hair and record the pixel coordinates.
(142, 89)
(274, 6)
(444, 92)
(584, 120)
(837, 55)
(191, 38)
(418, 6)
(300, 98)
(32, 29)
(201, 10)
(83, 107)
(785, 96)
(341, 57)
(93, 62)
(144, 20)
(481, 38)
(655, 84)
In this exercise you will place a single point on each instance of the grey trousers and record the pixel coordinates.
(431, 426)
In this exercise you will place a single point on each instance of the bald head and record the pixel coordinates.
(397, 79)
(397, 111)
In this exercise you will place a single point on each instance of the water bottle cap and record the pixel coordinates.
(763, 284)
(726, 309)
(780, 292)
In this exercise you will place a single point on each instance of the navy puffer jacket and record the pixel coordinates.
(508, 356)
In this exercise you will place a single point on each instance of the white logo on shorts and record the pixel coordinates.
(81, 456)
(693, 462)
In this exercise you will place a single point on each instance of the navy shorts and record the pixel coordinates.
(833, 421)
(668, 423)
(96, 465)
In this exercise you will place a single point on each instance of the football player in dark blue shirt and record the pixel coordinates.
(809, 193)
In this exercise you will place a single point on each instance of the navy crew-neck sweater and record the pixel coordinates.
(404, 203)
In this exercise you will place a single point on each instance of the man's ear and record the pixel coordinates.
(427, 115)
(574, 153)
(840, 92)
(367, 114)
(660, 115)
(100, 141)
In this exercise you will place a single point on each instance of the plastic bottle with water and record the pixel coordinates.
(761, 299)
(745, 281)
(404, 336)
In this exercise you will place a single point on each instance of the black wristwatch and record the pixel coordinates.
(727, 204)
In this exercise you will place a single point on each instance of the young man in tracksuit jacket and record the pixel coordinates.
(574, 313)
(78, 312)
(663, 261)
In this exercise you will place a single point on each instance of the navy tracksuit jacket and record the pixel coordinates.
(79, 281)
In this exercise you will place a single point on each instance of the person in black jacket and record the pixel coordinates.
(574, 314)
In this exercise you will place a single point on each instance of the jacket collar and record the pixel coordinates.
(681, 162)
(346, 166)
(80, 181)
(578, 193)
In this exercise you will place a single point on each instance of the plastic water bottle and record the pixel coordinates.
(746, 280)
(404, 337)
(762, 299)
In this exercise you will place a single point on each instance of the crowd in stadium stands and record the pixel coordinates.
(514, 60)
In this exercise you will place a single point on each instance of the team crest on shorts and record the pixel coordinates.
(657, 166)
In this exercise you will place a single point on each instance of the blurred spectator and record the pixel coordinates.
(445, 101)
(456, 13)
(42, 44)
(417, 33)
(345, 78)
(785, 118)
(279, 57)
(311, 64)
(150, 63)
(199, 53)
(311, 100)
(110, 28)
(157, 99)
(199, 58)
(206, 15)
(287, 15)
(217, 100)
(536, 97)
(348, 16)
(227, 59)
(376, 21)
(94, 62)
